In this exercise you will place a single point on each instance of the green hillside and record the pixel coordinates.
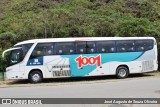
(28, 19)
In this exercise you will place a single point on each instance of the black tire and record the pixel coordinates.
(122, 72)
(35, 77)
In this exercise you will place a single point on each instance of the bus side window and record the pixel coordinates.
(81, 47)
(105, 46)
(144, 45)
(43, 49)
(112, 49)
(64, 48)
(91, 47)
(125, 46)
(26, 47)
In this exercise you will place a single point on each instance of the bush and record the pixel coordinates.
(2, 64)
(7, 40)
(27, 19)
(131, 26)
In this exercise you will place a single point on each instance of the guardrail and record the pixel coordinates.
(2, 75)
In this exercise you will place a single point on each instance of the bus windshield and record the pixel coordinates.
(17, 53)
(15, 57)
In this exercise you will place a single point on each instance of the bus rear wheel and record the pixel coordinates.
(35, 77)
(122, 72)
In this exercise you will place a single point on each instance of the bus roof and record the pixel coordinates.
(78, 39)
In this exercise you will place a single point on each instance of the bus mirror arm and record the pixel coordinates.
(3, 54)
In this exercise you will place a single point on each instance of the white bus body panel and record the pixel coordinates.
(145, 63)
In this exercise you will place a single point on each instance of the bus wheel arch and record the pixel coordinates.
(122, 71)
(35, 76)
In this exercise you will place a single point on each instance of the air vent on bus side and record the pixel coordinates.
(147, 66)
(61, 71)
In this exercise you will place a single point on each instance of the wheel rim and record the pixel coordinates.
(122, 72)
(36, 77)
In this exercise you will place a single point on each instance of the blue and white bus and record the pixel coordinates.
(77, 57)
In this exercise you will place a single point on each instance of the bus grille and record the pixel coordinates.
(61, 73)
(147, 65)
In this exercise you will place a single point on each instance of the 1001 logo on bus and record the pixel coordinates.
(83, 61)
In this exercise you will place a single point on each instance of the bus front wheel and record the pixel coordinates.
(122, 72)
(35, 77)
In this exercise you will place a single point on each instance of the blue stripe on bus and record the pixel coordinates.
(105, 58)
(118, 57)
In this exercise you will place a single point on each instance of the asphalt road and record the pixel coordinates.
(128, 88)
(148, 87)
